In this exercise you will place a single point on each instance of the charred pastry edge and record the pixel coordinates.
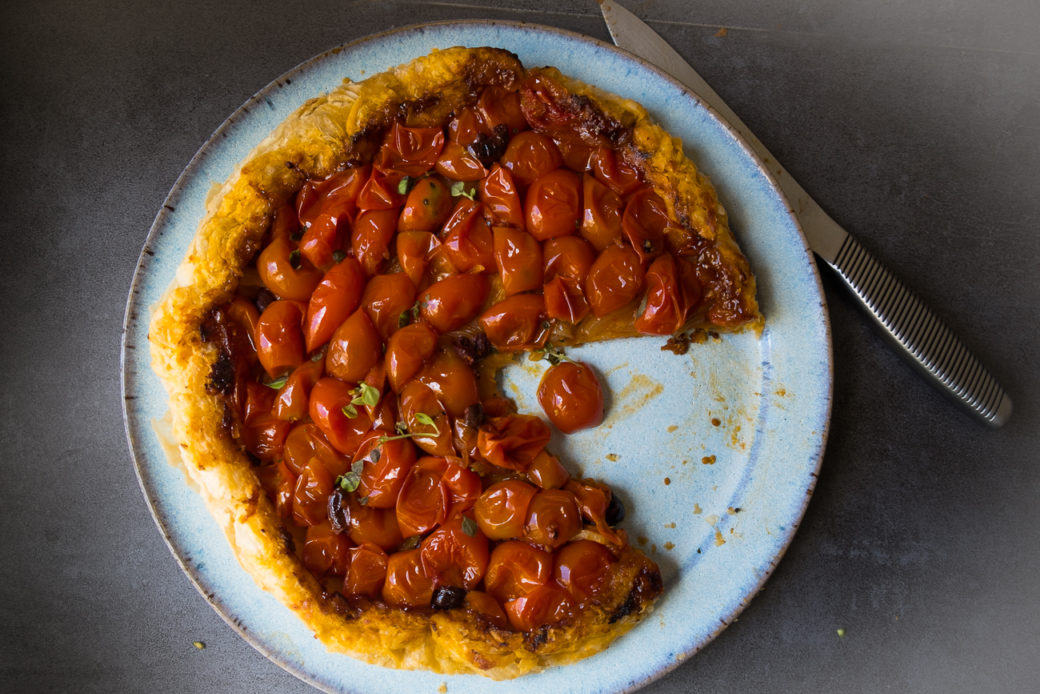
(324, 134)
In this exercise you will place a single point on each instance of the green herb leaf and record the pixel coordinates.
(349, 410)
(294, 259)
(375, 455)
(410, 543)
(338, 256)
(349, 481)
(458, 188)
(404, 185)
(367, 394)
(426, 419)
(469, 526)
(277, 383)
(401, 428)
(357, 467)
(363, 500)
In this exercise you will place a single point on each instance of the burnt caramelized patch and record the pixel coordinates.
(221, 375)
(551, 109)
(648, 585)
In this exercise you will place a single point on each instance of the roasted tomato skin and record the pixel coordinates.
(385, 298)
(615, 279)
(571, 396)
(518, 256)
(454, 557)
(516, 322)
(285, 273)
(501, 511)
(407, 584)
(530, 155)
(582, 568)
(406, 352)
(279, 337)
(665, 310)
(453, 301)
(333, 300)
(328, 398)
(515, 569)
(553, 205)
(355, 348)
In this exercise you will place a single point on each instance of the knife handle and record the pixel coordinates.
(926, 341)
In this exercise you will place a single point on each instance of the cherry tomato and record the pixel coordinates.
(452, 381)
(406, 352)
(465, 128)
(463, 485)
(284, 272)
(512, 441)
(568, 256)
(544, 605)
(501, 511)
(265, 436)
(577, 156)
(480, 603)
(311, 494)
(418, 249)
(571, 396)
(518, 256)
(611, 170)
(515, 569)
(375, 525)
(417, 398)
(553, 205)
(325, 551)
(279, 337)
(690, 284)
(291, 401)
(501, 199)
(547, 472)
(333, 300)
(385, 298)
(593, 501)
(411, 151)
(496, 106)
(564, 299)
(407, 585)
(454, 301)
(305, 441)
(328, 398)
(452, 557)
(427, 207)
(244, 314)
(335, 196)
(259, 401)
(456, 164)
(386, 464)
(553, 518)
(355, 348)
(367, 571)
(278, 483)
(644, 222)
(516, 322)
(582, 568)
(467, 238)
(616, 278)
(370, 238)
(423, 502)
(601, 214)
(665, 310)
(381, 191)
(530, 156)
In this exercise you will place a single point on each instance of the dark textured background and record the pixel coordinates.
(916, 127)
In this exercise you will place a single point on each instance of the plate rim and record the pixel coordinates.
(133, 309)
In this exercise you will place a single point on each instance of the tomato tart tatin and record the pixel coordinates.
(330, 345)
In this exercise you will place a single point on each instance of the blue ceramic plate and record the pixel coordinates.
(715, 452)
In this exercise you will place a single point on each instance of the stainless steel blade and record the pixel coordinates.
(921, 336)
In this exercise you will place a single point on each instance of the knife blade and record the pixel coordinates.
(918, 333)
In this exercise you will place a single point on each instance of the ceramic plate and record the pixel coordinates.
(714, 452)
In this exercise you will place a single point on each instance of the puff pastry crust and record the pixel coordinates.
(321, 136)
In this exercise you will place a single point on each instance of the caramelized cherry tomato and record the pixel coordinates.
(515, 569)
(665, 310)
(553, 518)
(480, 603)
(553, 205)
(456, 164)
(355, 348)
(381, 191)
(305, 441)
(407, 585)
(452, 381)
(467, 238)
(278, 483)
(279, 337)
(367, 571)
(463, 485)
(284, 272)
(371, 236)
(571, 396)
(616, 278)
(568, 256)
(516, 323)
(406, 352)
(465, 128)
(416, 250)
(644, 222)
(311, 495)
(564, 299)
(244, 314)
(334, 299)
(619, 176)
(501, 511)
(530, 156)
(385, 298)
(453, 301)
(577, 156)
(386, 464)
(411, 151)
(544, 605)
(375, 525)
(423, 502)
(601, 214)
(690, 284)
(512, 441)
(265, 436)
(518, 256)
(497, 106)
(329, 397)
(291, 402)
(547, 472)
(325, 551)
(582, 568)
(335, 196)
(417, 398)
(593, 501)
(501, 199)
(453, 557)
(427, 207)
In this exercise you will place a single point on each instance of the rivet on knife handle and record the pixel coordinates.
(930, 344)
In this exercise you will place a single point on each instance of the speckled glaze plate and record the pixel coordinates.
(714, 453)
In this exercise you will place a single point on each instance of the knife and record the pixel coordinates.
(920, 335)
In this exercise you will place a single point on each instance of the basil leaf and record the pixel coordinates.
(277, 383)
(404, 185)
(349, 482)
(349, 410)
(469, 526)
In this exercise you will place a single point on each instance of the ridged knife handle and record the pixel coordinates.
(927, 342)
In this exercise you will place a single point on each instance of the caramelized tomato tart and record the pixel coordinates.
(331, 341)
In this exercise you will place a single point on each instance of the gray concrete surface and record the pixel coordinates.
(917, 125)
